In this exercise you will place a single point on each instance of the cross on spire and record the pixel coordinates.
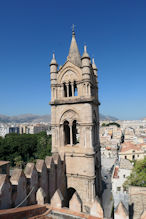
(73, 29)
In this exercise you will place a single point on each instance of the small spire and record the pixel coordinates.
(53, 61)
(53, 55)
(93, 64)
(85, 54)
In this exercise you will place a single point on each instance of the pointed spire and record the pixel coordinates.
(53, 61)
(74, 54)
(85, 54)
(93, 64)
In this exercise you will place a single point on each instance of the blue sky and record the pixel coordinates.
(115, 34)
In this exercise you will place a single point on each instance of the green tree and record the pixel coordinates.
(138, 175)
(20, 149)
(18, 161)
(43, 145)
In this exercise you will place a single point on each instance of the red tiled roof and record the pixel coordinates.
(126, 146)
(116, 172)
(3, 162)
(108, 148)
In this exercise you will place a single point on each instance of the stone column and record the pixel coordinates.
(67, 85)
(62, 91)
(71, 140)
(72, 87)
(89, 89)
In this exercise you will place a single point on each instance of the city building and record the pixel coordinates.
(132, 151)
(120, 173)
(14, 129)
(4, 129)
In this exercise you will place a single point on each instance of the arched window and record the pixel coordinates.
(70, 90)
(75, 89)
(75, 134)
(65, 90)
(66, 133)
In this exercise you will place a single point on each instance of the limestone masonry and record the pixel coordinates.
(71, 177)
(75, 123)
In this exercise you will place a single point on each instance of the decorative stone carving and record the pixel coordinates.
(70, 116)
(69, 76)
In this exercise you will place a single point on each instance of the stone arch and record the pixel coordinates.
(69, 76)
(69, 73)
(69, 194)
(69, 115)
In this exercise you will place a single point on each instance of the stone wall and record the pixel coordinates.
(36, 182)
(40, 183)
(137, 202)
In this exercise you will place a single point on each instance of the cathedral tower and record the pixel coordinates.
(75, 122)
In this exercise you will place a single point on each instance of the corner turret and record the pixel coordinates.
(85, 64)
(94, 68)
(53, 77)
(53, 70)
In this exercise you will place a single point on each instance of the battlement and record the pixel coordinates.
(40, 183)
(22, 188)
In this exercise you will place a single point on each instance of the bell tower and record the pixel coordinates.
(75, 122)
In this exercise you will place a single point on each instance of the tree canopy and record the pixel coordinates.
(138, 175)
(111, 123)
(22, 148)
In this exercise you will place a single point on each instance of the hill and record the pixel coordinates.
(32, 118)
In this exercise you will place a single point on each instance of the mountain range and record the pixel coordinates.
(32, 118)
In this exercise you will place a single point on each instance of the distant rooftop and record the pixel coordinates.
(4, 162)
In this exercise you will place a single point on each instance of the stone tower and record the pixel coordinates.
(75, 123)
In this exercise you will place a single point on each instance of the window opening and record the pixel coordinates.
(65, 90)
(118, 188)
(66, 133)
(70, 90)
(75, 133)
(75, 89)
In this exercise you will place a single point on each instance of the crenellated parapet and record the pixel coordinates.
(37, 183)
